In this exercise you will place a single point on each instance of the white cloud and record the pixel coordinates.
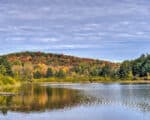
(74, 24)
(46, 40)
(72, 46)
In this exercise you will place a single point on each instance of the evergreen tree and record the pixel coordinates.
(105, 71)
(49, 72)
(125, 70)
(60, 73)
(37, 75)
(6, 64)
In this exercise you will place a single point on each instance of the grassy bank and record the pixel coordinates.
(71, 79)
(89, 80)
(7, 81)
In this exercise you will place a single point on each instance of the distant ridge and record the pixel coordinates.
(52, 59)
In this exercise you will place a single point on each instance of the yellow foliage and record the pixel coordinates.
(42, 68)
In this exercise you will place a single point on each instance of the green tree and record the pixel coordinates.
(141, 66)
(60, 73)
(105, 71)
(147, 66)
(136, 69)
(37, 75)
(2, 70)
(49, 72)
(125, 71)
(94, 71)
(6, 64)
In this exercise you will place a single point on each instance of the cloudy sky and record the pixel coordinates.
(106, 29)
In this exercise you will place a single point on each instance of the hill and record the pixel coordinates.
(52, 59)
(55, 67)
(29, 65)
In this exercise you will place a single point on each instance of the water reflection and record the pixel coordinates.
(45, 98)
(133, 96)
(40, 98)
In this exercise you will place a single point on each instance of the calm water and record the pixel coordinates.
(77, 102)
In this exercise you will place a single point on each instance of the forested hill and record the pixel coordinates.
(52, 59)
(36, 65)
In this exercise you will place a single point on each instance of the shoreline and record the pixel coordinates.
(76, 82)
(10, 86)
(106, 82)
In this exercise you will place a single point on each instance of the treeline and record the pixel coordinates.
(136, 69)
(28, 66)
(49, 59)
(29, 71)
(6, 73)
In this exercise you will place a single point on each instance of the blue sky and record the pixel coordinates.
(105, 29)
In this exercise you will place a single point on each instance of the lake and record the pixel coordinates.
(76, 102)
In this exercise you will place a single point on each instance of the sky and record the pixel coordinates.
(112, 30)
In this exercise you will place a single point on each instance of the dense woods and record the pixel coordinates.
(29, 66)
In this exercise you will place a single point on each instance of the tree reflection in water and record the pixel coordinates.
(40, 98)
(37, 98)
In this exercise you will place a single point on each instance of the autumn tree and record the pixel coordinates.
(27, 72)
(17, 71)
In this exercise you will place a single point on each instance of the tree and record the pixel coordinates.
(125, 70)
(106, 71)
(17, 62)
(42, 68)
(141, 66)
(147, 67)
(37, 75)
(49, 72)
(2, 70)
(27, 72)
(17, 71)
(6, 64)
(136, 69)
(60, 73)
(94, 71)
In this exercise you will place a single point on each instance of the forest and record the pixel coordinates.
(47, 67)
